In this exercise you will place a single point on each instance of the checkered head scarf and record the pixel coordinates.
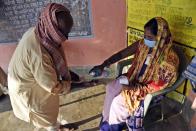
(49, 34)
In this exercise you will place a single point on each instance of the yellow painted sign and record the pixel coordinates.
(134, 35)
(180, 14)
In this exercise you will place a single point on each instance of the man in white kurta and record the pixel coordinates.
(33, 82)
(31, 77)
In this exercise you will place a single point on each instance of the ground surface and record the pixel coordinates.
(84, 107)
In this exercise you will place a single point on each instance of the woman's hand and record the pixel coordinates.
(96, 70)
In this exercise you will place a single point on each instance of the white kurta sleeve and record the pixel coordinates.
(43, 70)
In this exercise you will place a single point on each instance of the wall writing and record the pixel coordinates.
(180, 14)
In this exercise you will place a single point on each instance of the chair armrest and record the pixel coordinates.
(147, 101)
(122, 64)
(178, 82)
(149, 97)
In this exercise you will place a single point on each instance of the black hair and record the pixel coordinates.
(152, 25)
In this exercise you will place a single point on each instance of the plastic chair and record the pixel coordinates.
(148, 99)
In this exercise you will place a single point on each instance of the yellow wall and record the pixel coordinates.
(180, 14)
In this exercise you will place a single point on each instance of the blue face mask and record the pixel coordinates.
(149, 43)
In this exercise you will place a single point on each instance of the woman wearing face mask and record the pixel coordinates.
(153, 68)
